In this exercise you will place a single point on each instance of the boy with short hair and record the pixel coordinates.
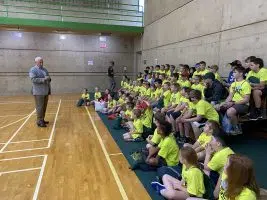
(257, 78)
(237, 103)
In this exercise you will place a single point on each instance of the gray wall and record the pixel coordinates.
(66, 60)
(217, 31)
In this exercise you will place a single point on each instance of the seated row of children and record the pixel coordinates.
(179, 108)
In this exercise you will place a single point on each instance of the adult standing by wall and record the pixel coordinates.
(40, 89)
(112, 83)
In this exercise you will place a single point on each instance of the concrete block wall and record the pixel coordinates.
(66, 60)
(217, 31)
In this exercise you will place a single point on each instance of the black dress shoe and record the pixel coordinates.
(46, 122)
(41, 124)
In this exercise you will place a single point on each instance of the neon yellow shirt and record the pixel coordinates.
(166, 98)
(169, 150)
(85, 96)
(204, 139)
(207, 111)
(194, 181)
(219, 159)
(261, 74)
(240, 90)
(156, 137)
(138, 128)
(97, 95)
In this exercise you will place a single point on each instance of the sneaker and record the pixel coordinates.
(255, 116)
(157, 186)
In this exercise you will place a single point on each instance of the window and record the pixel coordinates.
(141, 5)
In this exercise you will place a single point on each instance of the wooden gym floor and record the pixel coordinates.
(73, 158)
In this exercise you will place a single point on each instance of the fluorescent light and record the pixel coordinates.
(62, 37)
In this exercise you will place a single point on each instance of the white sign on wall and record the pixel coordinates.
(90, 62)
(102, 38)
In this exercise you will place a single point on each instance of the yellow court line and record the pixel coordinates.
(113, 170)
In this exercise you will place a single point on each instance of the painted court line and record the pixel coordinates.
(54, 125)
(26, 141)
(22, 102)
(37, 188)
(115, 154)
(20, 170)
(14, 135)
(13, 122)
(116, 177)
(20, 158)
(13, 115)
(50, 139)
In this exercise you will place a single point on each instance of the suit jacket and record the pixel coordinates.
(40, 86)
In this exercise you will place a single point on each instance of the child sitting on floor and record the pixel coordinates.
(192, 183)
(84, 100)
(136, 132)
(199, 146)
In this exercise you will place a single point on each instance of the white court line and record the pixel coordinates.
(13, 122)
(20, 158)
(113, 170)
(35, 196)
(20, 170)
(23, 102)
(13, 115)
(14, 135)
(115, 154)
(54, 126)
(26, 141)
(23, 115)
(20, 150)
(49, 140)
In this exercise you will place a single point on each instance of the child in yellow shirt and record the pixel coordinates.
(136, 132)
(85, 97)
(192, 183)
(199, 146)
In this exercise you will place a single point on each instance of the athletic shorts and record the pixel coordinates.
(241, 109)
(175, 115)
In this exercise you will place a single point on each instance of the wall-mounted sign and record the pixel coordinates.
(102, 38)
(90, 62)
(103, 45)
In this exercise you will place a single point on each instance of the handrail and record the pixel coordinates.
(83, 3)
(79, 5)
(30, 7)
(73, 16)
(105, 15)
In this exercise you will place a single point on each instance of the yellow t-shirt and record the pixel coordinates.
(194, 181)
(218, 77)
(156, 137)
(261, 75)
(204, 139)
(147, 118)
(111, 104)
(219, 159)
(148, 92)
(97, 95)
(142, 90)
(135, 88)
(197, 73)
(129, 113)
(121, 100)
(153, 94)
(158, 92)
(207, 111)
(162, 71)
(85, 96)
(204, 72)
(138, 128)
(175, 98)
(166, 98)
(246, 193)
(169, 150)
(184, 83)
(122, 83)
(198, 87)
(240, 89)
(168, 73)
